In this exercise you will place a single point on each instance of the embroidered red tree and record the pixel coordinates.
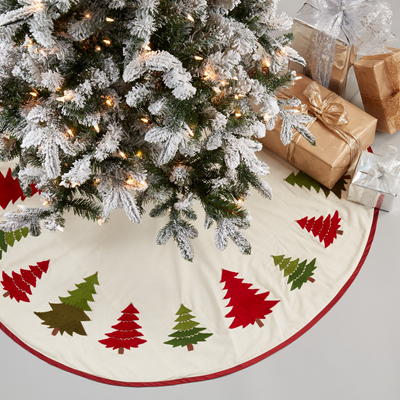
(126, 334)
(10, 189)
(248, 306)
(68, 315)
(19, 285)
(325, 229)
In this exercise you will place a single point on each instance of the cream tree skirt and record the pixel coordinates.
(171, 321)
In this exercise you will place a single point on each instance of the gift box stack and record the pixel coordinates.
(330, 35)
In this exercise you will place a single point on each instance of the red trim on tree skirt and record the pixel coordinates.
(126, 334)
(325, 229)
(248, 306)
(19, 285)
(10, 189)
(220, 373)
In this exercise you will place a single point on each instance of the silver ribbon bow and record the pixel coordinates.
(366, 25)
(382, 171)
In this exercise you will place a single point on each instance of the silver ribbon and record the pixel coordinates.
(366, 25)
(382, 171)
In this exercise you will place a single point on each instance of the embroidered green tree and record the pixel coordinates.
(187, 331)
(68, 315)
(9, 238)
(299, 273)
(302, 179)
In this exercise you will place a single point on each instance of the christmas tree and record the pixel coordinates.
(126, 334)
(298, 273)
(187, 331)
(326, 229)
(19, 285)
(9, 238)
(68, 315)
(248, 306)
(301, 179)
(117, 103)
(10, 189)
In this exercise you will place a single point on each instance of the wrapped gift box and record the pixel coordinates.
(378, 78)
(332, 156)
(380, 192)
(305, 36)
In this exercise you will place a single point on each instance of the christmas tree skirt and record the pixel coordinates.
(107, 303)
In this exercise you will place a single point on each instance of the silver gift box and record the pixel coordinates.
(359, 192)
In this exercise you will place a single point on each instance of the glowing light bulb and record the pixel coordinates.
(147, 47)
(69, 131)
(266, 62)
(235, 78)
(100, 221)
(145, 120)
(33, 94)
(190, 18)
(139, 153)
(190, 133)
(45, 203)
(298, 78)
(97, 48)
(96, 128)
(60, 228)
(224, 83)
(107, 41)
(109, 102)
(217, 90)
(122, 154)
(266, 117)
(87, 15)
(240, 200)
(108, 19)
(198, 58)
(238, 114)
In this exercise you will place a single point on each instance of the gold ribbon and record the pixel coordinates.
(391, 105)
(333, 115)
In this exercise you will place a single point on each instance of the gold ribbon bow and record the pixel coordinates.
(333, 115)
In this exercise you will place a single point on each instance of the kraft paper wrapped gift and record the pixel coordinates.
(341, 131)
(375, 181)
(378, 78)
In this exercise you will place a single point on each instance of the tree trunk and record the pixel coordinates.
(312, 280)
(339, 232)
(259, 323)
(190, 347)
(6, 294)
(55, 331)
(121, 350)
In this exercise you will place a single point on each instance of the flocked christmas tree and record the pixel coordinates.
(18, 286)
(248, 306)
(126, 334)
(299, 273)
(325, 229)
(116, 103)
(187, 332)
(68, 315)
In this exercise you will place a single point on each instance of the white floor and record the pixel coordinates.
(353, 353)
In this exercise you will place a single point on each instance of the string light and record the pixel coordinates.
(97, 48)
(107, 41)
(190, 133)
(147, 47)
(266, 117)
(96, 181)
(109, 102)
(266, 62)
(240, 200)
(190, 18)
(100, 221)
(224, 83)
(139, 153)
(33, 94)
(298, 78)
(108, 19)
(217, 90)
(60, 228)
(69, 131)
(87, 15)
(238, 96)
(238, 114)
(145, 120)
(198, 58)
(45, 203)
(122, 154)
(96, 128)
(235, 78)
